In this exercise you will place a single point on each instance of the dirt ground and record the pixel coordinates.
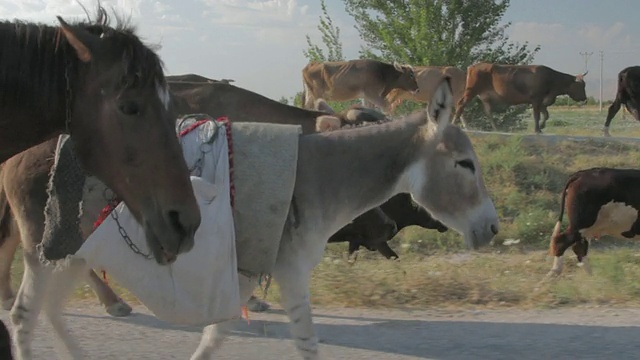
(584, 333)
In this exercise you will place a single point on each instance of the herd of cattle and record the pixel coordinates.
(386, 86)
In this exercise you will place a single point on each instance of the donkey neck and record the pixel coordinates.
(347, 172)
(36, 73)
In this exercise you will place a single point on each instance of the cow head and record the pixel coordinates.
(407, 79)
(577, 88)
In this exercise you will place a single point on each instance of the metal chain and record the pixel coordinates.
(114, 215)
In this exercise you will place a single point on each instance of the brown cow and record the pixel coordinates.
(598, 201)
(537, 85)
(348, 80)
(428, 78)
(628, 94)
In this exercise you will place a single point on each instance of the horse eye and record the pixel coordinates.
(129, 108)
(467, 164)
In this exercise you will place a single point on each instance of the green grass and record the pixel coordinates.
(587, 120)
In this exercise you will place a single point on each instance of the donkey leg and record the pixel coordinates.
(61, 284)
(29, 302)
(7, 252)
(214, 335)
(114, 305)
(294, 291)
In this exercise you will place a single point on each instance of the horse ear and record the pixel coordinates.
(79, 39)
(441, 105)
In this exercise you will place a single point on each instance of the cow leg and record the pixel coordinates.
(486, 104)
(536, 118)
(354, 246)
(386, 251)
(545, 117)
(559, 245)
(613, 110)
(581, 249)
(464, 100)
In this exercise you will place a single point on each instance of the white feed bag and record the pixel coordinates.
(201, 286)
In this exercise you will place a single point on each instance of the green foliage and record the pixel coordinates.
(284, 100)
(442, 32)
(330, 39)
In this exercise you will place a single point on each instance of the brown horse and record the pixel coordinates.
(105, 88)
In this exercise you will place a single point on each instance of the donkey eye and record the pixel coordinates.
(467, 164)
(129, 108)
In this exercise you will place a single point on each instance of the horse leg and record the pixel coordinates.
(114, 305)
(214, 335)
(29, 302)
(7, 252)
(61, 284)
(545, 116)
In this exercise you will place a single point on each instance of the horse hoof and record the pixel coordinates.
(8, 303)
(119, 309)
(257, 305)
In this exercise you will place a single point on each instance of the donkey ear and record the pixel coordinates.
(79, 39)
(441, 106)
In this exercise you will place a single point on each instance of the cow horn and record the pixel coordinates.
(585, 73)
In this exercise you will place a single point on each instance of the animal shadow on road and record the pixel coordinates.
(442, 339)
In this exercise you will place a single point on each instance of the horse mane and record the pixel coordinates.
(37, 64)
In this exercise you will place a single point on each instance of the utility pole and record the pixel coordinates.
(601, 67)
(586, 59)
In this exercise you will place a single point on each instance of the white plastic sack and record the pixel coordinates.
(201, 287)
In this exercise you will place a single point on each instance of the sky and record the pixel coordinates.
(260, 43)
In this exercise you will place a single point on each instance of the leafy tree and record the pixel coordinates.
(284, 100)
(330, 39)
(442, 32)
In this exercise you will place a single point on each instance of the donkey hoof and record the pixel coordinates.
(119, 309)
(8, 303)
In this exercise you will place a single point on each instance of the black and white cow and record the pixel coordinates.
(598, 201)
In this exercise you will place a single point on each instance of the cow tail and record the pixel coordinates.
(558, 226)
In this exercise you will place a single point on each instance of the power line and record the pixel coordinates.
(586, 59)
(601, 67)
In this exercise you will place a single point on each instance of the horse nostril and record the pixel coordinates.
(494, 229)
(174, 220)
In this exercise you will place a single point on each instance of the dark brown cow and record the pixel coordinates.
(628, 95)
(598, 201)
(376, 227)
(192, 93)
(348, 80)
(537, 85)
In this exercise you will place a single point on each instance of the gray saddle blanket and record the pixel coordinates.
(264, 170)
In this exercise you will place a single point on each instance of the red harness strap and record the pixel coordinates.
(112, 204)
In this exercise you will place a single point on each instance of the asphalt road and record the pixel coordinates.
(579, 333)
